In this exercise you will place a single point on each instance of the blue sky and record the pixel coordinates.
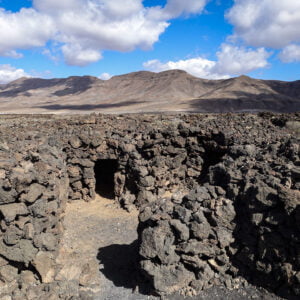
(209, 39)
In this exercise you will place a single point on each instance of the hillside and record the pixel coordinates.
(144, 91)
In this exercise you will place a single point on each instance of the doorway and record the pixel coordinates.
(105, 170)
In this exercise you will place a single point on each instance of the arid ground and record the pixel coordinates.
(169, 91)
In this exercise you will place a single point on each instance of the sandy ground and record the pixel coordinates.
(99, 250)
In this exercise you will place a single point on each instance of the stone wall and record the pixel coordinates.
(241, 222)
(33, 195)
(218, 194)
(152, 161)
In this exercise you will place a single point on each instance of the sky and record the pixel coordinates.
(211, 39)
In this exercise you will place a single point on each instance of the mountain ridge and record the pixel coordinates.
(146, 91)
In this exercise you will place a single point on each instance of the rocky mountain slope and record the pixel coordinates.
(144, 91)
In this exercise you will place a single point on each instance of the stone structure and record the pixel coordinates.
(218, 194)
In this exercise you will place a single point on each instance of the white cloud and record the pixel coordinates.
(266, 23)
(74, 54)
(105, 76)
(175, 8)
(290, 53)
(231, 61)
(198, 66)
(23, 30)
(55, 6)
(235, 60)
(84, 28)
(13, 54)
(51, 55)
(9, 73)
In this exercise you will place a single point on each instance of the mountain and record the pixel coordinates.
(167, 91)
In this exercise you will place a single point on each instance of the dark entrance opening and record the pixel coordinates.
(105, 170)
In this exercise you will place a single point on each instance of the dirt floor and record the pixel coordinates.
(99, 251)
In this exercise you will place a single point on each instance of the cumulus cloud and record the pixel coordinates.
(290, 53)
(9, 73)
(84, 28)
(266, 23)
(198, 66)
(235, 60)
(231, 61)
(23, 30)
(105, 76)
(76, 55)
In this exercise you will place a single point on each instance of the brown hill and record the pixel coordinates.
(144, 91)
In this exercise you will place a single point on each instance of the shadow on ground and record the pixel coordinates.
(87, 106)
(119, 264)
(246, 102)
(73, 85)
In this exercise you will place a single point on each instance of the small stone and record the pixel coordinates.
(35, 191)
(2, 174)
(192, 172)
(75, 142)
(128, 148)
(257, 218)
(200, 231)
(142, 171)
(69, 272)
(3, 262)
(182, 213)
(87, 163)
(145, 197)
(177, 197)
(225, 237)
(8, 273)
(12, 235)
(29, 231)
(88, 173)
(168, 279)
(74, 171)
(214, 265)
(147, 181)
(27, 277)
(88, 274)
(45, 241)
(77, 185)
(250, 150)
(181, 229)
(11, 211)
(199, 217)
(45, 264)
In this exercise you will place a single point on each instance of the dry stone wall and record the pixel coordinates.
(241, 219)
(33, 195)
(218, 195)
(152, 161)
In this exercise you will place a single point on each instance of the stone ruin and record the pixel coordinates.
(218, 196)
